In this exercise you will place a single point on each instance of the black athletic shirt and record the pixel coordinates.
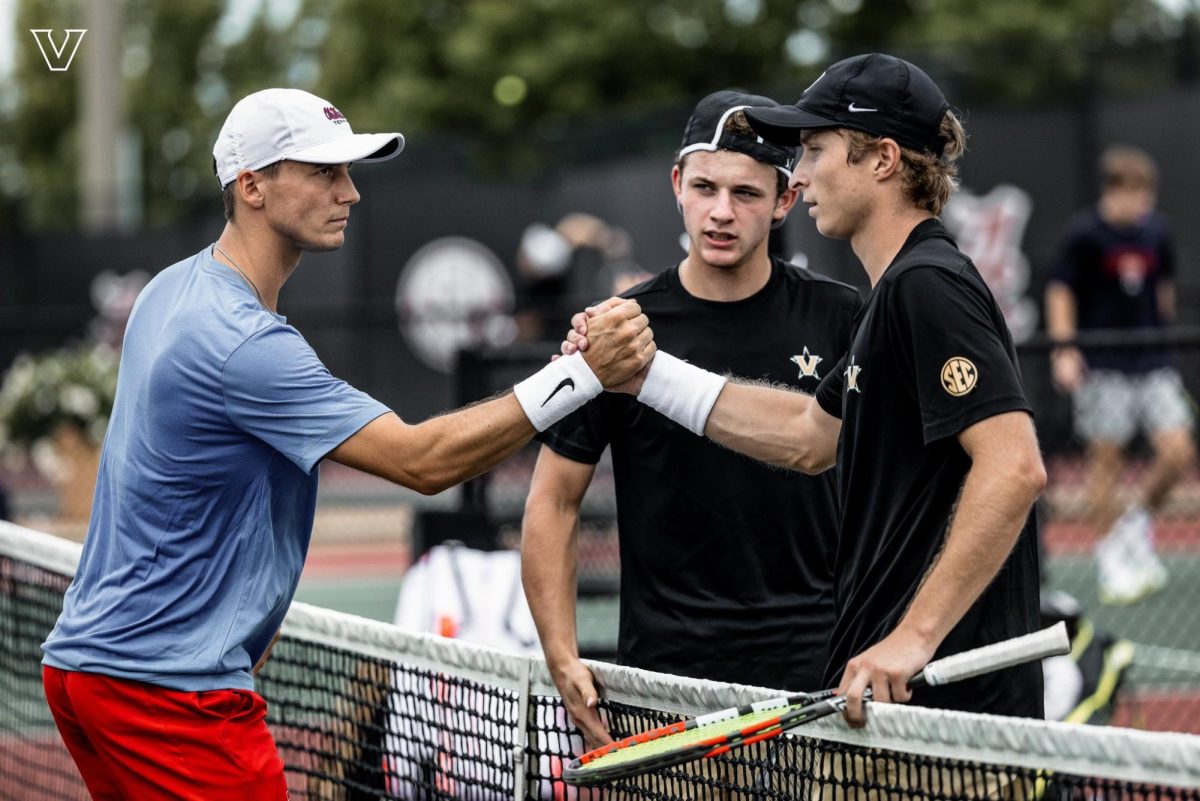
(930, 356)
(1114, 274)
(725, 562)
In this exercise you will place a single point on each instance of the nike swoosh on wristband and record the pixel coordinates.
(568, 383)
(855, 108)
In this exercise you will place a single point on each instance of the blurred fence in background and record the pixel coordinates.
(1162, 686)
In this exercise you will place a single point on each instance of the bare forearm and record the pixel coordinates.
(262, 660)
(548, 570)
(772, 425)
(472, 441)
(447, 450)
(440, 452)
(1166, 301)
(548, 557)
(995, 503)
(998, 491)
(1060, 312)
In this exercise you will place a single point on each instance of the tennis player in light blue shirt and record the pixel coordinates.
(206, 491)
(207, 487)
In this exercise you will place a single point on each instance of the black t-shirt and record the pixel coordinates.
(725, 562)
(1114, 274)
(930, 356)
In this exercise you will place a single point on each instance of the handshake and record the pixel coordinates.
(611, 346)
(615, 339)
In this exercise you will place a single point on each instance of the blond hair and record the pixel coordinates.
(1126, 167)
(928, 180)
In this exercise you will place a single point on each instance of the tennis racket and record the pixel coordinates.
(717, 733)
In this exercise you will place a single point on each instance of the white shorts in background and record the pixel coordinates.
(1112, 405)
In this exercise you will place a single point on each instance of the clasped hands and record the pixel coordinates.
(615, 339)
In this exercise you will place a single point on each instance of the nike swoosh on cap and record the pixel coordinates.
(568, 383)
(860, 108)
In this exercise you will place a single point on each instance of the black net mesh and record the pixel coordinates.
(352, 725)
(34, 763)
(798, 767)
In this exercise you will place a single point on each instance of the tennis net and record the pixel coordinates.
(364, 710)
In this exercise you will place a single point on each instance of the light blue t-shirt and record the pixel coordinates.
(207, 486)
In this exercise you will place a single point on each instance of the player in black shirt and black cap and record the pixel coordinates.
(726, 563)
(938, 460)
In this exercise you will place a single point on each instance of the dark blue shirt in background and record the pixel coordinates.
(1115, 275)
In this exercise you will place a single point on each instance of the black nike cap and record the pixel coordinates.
(706, 131)
(874, 93)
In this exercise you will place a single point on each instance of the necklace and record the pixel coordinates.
(235, 266)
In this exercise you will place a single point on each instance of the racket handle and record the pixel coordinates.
(1051, 641)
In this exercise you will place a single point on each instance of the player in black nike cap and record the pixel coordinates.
(876, 94)
(937, 455)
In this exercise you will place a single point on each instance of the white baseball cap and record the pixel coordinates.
(275, 124)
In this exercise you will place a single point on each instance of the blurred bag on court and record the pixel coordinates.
(1084, 685)
(469, 594)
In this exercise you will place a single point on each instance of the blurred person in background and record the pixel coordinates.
(1114, 271)
(560, 269)
(726, 563)
(207, 487)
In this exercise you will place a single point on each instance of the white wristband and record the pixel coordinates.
(556, 390)
(681, 391)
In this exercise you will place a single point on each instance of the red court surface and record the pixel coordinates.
(1072, 538)
(349, 561)
(1064, 505)
(1158, 710)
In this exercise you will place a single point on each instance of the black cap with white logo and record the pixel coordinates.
(706, 131)
(875, 93)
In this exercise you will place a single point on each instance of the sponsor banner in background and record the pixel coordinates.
(989, 228)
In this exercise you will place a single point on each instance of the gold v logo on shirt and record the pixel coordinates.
(807, 362)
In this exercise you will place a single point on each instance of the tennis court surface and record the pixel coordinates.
(362, 710)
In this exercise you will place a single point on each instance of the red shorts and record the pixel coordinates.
(133, 740)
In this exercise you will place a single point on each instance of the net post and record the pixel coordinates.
(520, 747)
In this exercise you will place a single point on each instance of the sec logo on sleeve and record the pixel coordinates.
(959, 376)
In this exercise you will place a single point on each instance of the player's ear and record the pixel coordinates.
(783, 206)
(249, 188)
(677, 187)
(887, 158)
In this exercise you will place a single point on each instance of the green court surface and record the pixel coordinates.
(1165, 626)
(365, 596)
(1161, 689)
(1169, 618)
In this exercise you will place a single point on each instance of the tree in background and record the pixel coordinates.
(182, 64)
(528, 77)
(1025, 51)
(526, 85)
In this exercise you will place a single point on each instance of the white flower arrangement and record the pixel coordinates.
(74, 386)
